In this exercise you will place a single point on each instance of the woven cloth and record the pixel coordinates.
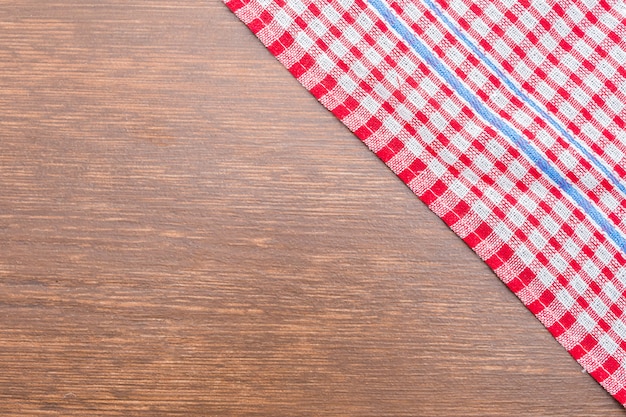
(507, 118)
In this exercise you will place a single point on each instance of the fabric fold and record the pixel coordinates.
(507, 119)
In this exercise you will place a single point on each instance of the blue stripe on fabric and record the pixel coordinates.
(527, 99)
(498, 123)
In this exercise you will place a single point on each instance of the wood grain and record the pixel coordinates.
(186, 231)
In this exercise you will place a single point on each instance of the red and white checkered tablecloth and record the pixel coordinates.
(507, 118)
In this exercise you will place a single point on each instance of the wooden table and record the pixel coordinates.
(186, 231)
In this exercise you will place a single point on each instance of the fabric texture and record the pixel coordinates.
(507, 118)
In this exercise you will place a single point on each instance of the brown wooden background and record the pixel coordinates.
(186, 231)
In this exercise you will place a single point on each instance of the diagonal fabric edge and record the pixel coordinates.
(539, 212)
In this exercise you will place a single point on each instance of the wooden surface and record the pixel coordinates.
(186, 231)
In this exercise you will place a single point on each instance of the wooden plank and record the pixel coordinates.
(186, 231)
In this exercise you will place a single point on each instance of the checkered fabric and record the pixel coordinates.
(507, 118)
